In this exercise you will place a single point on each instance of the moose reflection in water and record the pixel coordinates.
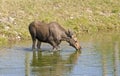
(47, 64)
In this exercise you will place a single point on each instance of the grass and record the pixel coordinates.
(83, 16)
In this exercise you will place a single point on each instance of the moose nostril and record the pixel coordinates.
(78, 46)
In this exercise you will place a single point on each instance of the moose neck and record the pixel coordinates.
(65, 36)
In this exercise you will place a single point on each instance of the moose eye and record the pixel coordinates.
(75, 41)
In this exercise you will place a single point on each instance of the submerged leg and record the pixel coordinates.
(58, 43)
(59, 48)
(55, 47)
(38, 44)
(32, 31)
(33, 45)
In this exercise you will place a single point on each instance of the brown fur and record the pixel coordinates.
(51, 33)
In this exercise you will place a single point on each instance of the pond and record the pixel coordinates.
(99, 56)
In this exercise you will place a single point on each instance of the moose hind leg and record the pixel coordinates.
(38, 44)
(33, 45)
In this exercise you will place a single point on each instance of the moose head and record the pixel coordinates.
(73, 41)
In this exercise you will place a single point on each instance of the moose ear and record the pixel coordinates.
(70, 32)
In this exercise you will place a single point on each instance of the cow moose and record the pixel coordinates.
(51, 33)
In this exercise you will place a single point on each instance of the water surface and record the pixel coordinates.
(99, 56)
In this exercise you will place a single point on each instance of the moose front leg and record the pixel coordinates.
(56, 48)
(54, 45)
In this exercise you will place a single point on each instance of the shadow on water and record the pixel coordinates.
(24, 49)
(53, 63)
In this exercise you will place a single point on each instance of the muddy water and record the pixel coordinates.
(99, 56)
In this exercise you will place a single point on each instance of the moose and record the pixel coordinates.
(52, 33)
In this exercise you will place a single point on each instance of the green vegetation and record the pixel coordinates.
(83, 16)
